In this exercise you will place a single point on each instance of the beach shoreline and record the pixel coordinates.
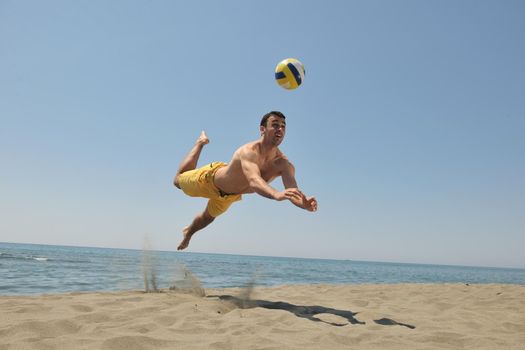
(393, 316)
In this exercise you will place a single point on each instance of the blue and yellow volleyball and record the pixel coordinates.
(289, 73)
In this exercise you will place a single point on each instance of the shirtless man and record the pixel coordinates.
(250, 170)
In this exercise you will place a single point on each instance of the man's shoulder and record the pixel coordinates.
(248, 148)
(280, 156)
(246, 151)
(284, 161)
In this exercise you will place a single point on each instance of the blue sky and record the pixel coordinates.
(408, 128)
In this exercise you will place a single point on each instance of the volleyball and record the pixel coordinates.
(289, 73)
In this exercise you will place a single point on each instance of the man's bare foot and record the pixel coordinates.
(187, 236)
(203, 139)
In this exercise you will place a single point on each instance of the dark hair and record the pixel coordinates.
(269, 114)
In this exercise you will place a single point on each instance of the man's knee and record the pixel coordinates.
(206, 216)
(176, 181)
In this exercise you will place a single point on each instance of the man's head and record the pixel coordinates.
(265, 117)
(273, 127)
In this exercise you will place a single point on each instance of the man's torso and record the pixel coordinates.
(231, 179)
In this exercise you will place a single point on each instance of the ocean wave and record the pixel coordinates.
(40, 259)
(8, 256)
(25, 257)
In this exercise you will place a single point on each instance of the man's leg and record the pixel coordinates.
(201, 221)
(190, 161)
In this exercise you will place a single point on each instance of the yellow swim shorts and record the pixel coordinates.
(199, 183)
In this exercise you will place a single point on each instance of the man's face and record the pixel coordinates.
(274, 130)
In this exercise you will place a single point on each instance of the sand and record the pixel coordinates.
(402, 316)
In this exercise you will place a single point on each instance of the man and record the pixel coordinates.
(250, 170)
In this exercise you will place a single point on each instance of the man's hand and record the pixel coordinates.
(309, 203)
(292, 194)
(295, 196)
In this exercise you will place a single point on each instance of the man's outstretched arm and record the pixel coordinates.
(261, 187)
(288, 177)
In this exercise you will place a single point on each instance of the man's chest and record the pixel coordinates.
(269, 170)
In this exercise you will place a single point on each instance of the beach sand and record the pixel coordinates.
(400, 316)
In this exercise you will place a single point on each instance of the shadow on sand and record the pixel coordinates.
(308, 312)
(390, 322)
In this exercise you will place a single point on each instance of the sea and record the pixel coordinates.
(28, 269)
